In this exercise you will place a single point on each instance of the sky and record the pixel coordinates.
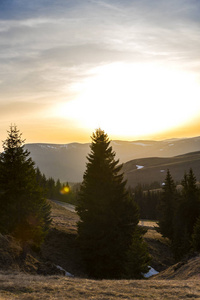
(129, 67)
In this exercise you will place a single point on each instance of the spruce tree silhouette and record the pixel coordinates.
(24, 213)
(108, 216)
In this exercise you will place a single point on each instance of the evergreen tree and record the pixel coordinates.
(137, 257)
(187, 214)
(147, 200)
(196, 236)
(24, 212)
(58, 187)
(167, 207)
(41, 180)
(190, 205)
(51, 188)
(108, 216)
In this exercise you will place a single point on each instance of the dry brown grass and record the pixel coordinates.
(183, 270)
(159, 250)
(20, 286)
(61, 248)
(148, 223)
(63, 219)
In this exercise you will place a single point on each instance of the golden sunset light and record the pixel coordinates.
(149, 100)
(70, 68)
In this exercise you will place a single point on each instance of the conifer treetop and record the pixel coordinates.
(14, 139)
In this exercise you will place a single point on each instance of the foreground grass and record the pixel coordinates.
(22, 286)
(60, 248)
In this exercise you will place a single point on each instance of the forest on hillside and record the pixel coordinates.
(109, 211)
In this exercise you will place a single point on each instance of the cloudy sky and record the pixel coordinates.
(131, 67)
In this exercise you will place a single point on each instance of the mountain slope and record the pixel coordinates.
(148, 170)
(68, 162)
(64, 162)
(183, 270)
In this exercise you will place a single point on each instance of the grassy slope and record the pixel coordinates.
(25, 287)
(155, 168)
(187, 269)
(159, 250)
(60, 248)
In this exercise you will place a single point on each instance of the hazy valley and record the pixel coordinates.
(143, 160)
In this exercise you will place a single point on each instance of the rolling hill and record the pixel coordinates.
(148, 170)
(68, 161)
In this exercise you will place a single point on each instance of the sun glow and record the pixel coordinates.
(133, 99)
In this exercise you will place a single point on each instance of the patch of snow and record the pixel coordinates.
(66, 273)
(51, 147)
(42, 146)
(163, 183)
(139, 167)
(140, 144)
(48, 146)
(162, 171)
(151, 272)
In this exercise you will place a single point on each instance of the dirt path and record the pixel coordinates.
(68, 206)
(145, 223)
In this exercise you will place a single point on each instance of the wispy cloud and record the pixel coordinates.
(46, 45)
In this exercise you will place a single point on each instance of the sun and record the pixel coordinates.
(133, 99)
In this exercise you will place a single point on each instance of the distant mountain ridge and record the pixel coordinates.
(60, 161)
(68, 161)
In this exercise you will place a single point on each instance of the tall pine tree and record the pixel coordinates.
(186, 216)
(196, 236)
(108, 217)
(190, 204)
(24, 213)
(167, 207)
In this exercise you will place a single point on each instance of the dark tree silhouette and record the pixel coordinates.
(187, 215)
(167, 207)
(196, 236)
(190, 204)
(108, 216)
(179, 213)
(24, 213)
